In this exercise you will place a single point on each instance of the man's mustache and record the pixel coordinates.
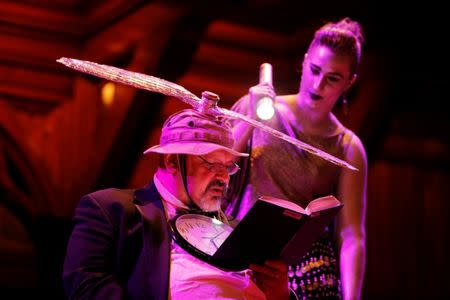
(217, 183)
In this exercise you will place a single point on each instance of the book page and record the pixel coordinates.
(322, 203)
(273, 228)
(284, 203)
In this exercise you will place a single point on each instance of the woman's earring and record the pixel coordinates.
(345, 108)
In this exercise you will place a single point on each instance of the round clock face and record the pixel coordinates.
(201, 232)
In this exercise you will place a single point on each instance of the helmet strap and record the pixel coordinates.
(182, 166)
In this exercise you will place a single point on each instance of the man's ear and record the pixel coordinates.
(171, 163)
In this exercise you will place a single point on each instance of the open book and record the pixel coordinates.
(275, 228)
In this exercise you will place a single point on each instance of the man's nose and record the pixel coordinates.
(223, 175)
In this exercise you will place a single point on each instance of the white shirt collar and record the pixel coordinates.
(171, 203)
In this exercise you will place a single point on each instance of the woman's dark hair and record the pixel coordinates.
(344, 38)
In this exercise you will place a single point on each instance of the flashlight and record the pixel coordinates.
(264, 106)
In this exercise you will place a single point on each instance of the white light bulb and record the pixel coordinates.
(264, 108)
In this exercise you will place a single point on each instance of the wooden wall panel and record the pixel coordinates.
(407, 230)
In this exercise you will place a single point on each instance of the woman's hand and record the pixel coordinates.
(256, 93)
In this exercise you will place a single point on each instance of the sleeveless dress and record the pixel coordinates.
(279, 169)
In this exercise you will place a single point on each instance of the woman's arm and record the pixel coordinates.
(351, 221)
(242, 131)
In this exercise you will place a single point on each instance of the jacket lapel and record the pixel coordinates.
(151, 274)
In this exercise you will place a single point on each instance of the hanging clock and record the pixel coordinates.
(199, 235)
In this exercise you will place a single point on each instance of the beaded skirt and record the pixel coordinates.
(317, 275)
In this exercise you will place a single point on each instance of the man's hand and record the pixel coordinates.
(272, 279)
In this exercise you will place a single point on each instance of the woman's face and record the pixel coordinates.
(325, 77)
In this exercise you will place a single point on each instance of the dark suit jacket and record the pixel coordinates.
(115, 251)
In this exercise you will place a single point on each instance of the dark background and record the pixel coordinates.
(59, 139)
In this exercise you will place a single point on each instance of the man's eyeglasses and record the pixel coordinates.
(217, 167)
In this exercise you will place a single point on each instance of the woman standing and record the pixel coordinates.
(334, 266)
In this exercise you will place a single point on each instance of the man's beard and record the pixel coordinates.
(212, 203)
